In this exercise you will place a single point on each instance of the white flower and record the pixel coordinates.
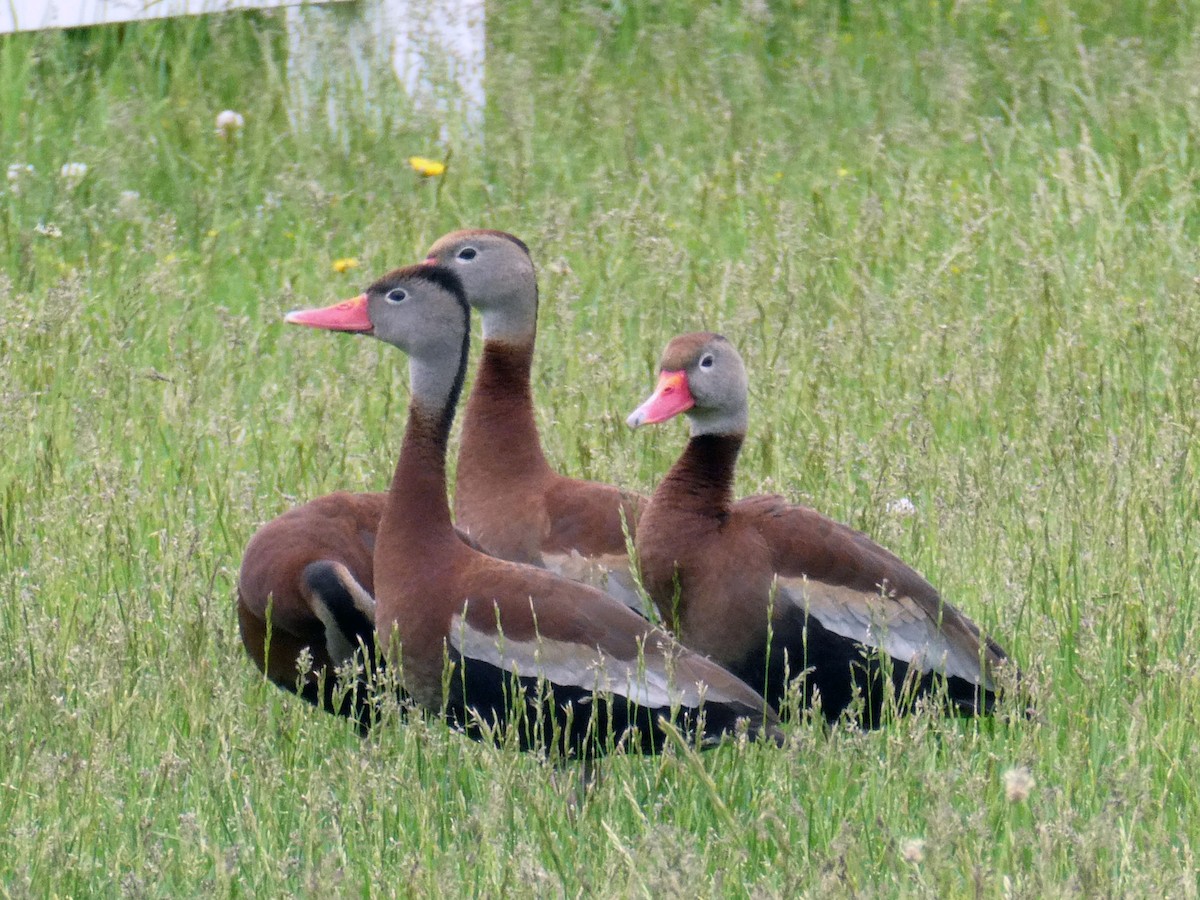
(229, 123)
(1018, 784)
(48, 229)
(17, 172)
(901, 507)
(128, 203)
(73, 173)
(912, 850)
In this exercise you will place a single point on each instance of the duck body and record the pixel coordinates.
(782, 596)
(505, 650)
(508, 500)
(549, 663)
(306, 583)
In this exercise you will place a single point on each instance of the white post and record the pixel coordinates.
(443, 48)
(435, 48)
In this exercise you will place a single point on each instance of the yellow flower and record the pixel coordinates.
(346, 262)
(843, 173)
(212, 232)
(426, 167)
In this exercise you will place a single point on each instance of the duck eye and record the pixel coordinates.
(466, 254)
(396, 295)
(706, 361)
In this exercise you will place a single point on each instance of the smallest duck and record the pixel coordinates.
(778, 593)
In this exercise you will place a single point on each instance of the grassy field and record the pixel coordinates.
(958, 244)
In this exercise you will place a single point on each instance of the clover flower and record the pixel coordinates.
(229, 123)
(129, 204)
(18, 172)
(73, 173)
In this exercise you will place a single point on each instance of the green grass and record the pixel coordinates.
(958, 245)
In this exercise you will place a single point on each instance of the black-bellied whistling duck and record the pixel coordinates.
(306, 583)
(506, 495)
(500, 645)
(774, 591)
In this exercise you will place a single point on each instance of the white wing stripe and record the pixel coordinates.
(576, 665)
(894, 624)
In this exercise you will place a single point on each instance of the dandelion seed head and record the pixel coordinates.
(1018, 784)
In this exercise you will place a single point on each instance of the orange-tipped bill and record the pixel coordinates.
(349, 315)
(670, 398)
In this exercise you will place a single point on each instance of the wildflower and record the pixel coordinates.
(128, 202)
(1018, 784)
(912, 850)
(73, 173)
(843, 172)
(229, 123)
(344, 264)
(48, 229)
(17, 172)
(427, 168)
(901, 507)
(211, 233)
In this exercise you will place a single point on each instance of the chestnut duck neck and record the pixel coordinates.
(417, 513)
(701, 480)
(500, 440)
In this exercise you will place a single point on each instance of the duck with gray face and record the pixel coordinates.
(556, 664)
(507, 496)
(778, 593)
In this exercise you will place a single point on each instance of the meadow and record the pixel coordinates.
(958, 245)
